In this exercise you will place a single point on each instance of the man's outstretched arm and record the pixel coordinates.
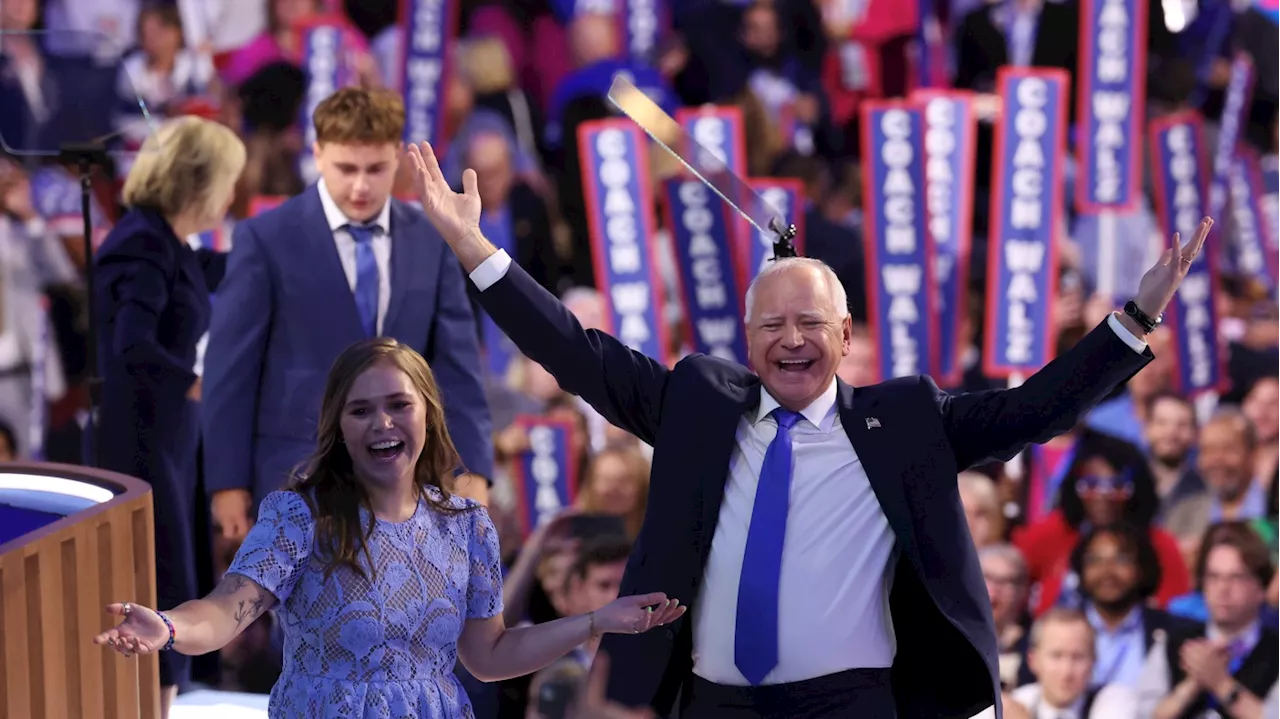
(624, 386)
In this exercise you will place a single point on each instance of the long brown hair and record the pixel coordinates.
(327, 481)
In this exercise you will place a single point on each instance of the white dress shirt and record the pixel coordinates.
(347, 247)
(1114, 701)
(831, 618)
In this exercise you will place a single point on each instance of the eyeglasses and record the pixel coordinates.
(1004, 581)
(1093, 484)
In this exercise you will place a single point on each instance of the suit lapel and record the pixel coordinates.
(858, 415)
(405, 251)
(320, 245)
(717, 444)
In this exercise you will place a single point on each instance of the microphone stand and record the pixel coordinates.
(784, 246)
(85, 156)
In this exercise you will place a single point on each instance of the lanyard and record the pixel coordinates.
(1116, 663)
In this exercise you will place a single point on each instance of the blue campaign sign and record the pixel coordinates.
(546, 475)
(429, 27)
(620, 221)
(1113, 75)
(721, 132)
(324, 44)
(949, 150)
(1026, 206)
(1254, 247)
(700, 230)
(1235, 109)
(899, 285)
(1181, 178)
(787, 197)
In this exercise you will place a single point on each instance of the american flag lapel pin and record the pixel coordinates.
(873, 423)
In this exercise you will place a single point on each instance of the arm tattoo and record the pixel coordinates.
(246, 609)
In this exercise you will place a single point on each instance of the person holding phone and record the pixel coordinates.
(383, 578)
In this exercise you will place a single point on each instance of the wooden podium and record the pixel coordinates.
(54, 583)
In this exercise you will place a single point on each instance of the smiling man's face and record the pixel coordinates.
(796, 335)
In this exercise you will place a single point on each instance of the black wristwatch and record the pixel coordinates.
(1143, 319)
(1232, 696)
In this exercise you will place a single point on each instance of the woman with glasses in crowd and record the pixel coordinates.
(1108, 481)
(381, 576)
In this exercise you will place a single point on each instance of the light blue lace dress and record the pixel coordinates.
(383, 648)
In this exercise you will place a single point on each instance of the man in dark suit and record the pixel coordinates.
(334, 265)
(815, 530)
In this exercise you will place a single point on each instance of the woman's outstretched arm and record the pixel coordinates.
(199, 626)
(492, 652)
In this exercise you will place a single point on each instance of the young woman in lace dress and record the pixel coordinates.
(381, 578)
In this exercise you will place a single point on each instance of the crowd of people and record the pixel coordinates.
(1122, 559)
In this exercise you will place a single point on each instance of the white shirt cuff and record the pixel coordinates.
(1138, 345)
(493, 268)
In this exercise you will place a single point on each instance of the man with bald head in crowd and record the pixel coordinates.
(514, 213)
(776, 493)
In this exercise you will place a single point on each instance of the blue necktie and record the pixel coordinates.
(755, 647)
(366, 277)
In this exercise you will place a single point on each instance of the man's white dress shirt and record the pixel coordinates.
(347, 247)
(837, 557)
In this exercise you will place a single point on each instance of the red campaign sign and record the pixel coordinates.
(261, 203)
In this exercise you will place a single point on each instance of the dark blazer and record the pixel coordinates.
(153, 308)
(946, 660)
(1257, 672)
(285, 312)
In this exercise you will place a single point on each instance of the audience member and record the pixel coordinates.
(1062, 657)
(1230, 663)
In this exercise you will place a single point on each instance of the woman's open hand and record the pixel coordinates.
(638, 613)
(141, 632)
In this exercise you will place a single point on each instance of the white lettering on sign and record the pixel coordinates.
(424, 68)
(713, 134)
(717, 334)
(779, 199)
(940, 145)
(322, 72)
(1110, 107)
(546, 473)
(594, 7)
(1228, 132)
(1270, 203)
(902, 281)
(1025, 258)
(1245, 224)
(1186, 210)
(642, 26)
(622, 228)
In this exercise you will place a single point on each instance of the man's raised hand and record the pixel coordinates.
(1158, 286)
(454, 215)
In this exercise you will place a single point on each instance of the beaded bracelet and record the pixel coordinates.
(172, 635)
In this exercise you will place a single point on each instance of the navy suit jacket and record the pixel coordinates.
(946, 662)
(284, 313)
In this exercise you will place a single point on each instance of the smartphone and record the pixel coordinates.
(590, 526)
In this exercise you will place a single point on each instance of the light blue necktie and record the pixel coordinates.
(366, 277)
(755, 647)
